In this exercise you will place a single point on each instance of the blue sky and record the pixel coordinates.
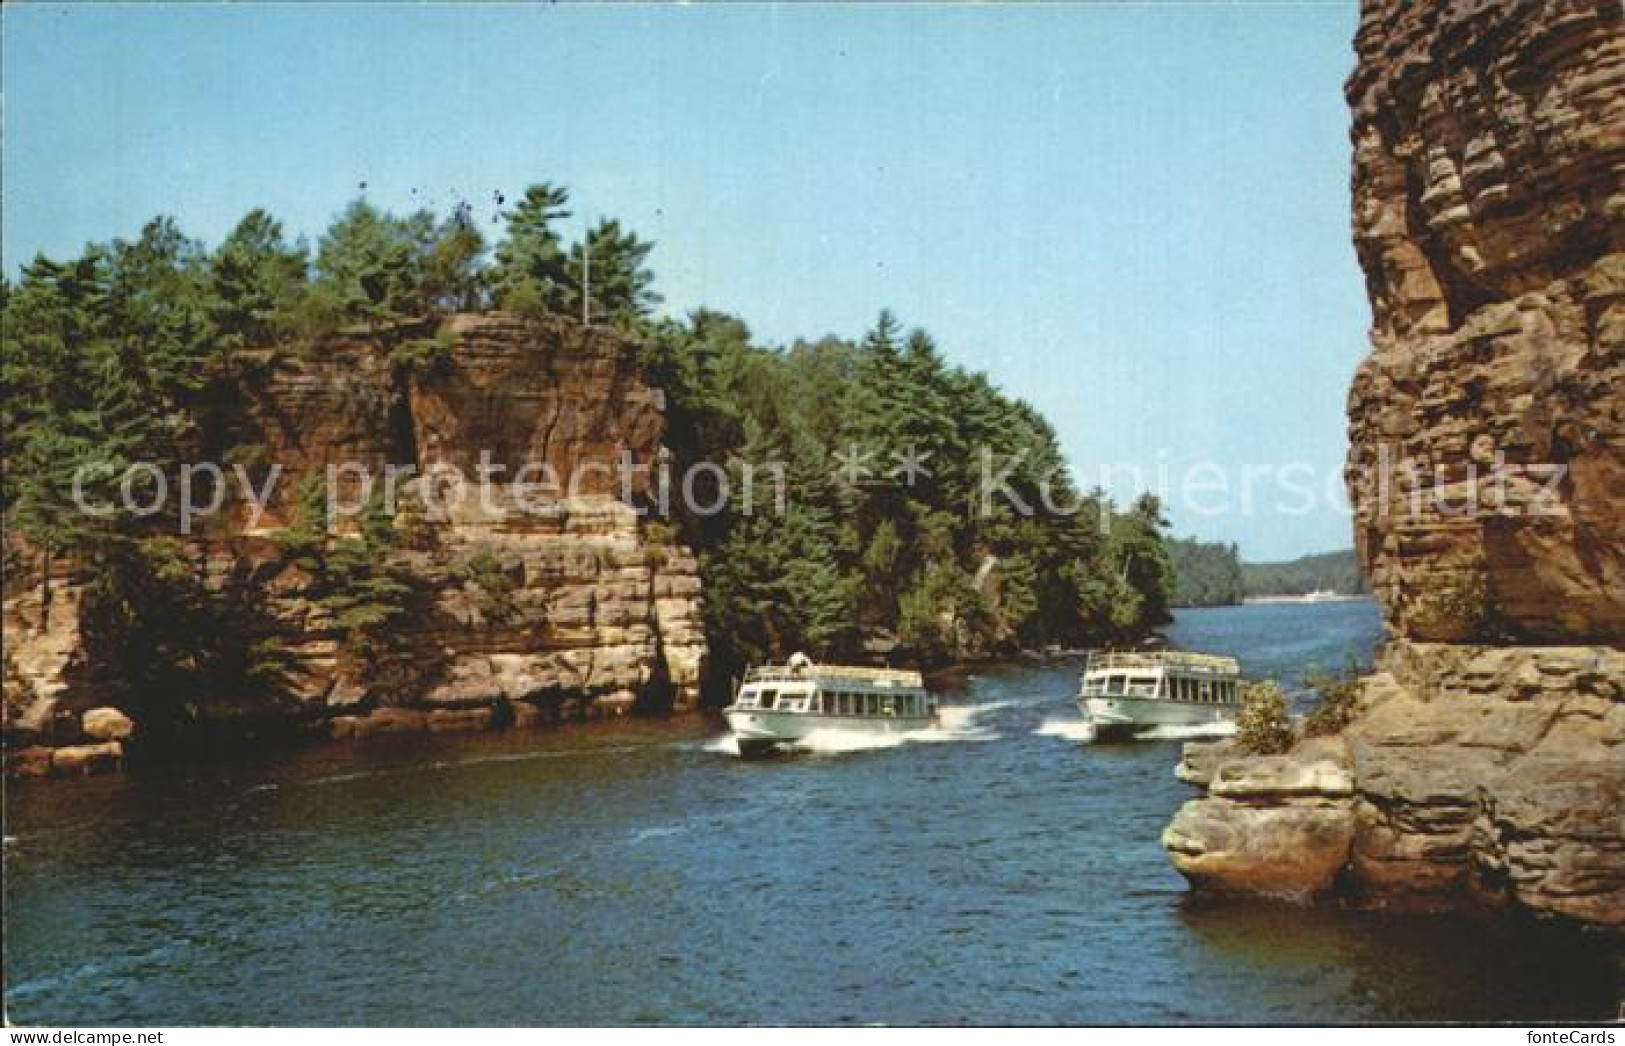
(1133, 216)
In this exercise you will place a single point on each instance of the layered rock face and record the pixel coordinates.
(603, 610)
(1487, 473)
(1489, 217)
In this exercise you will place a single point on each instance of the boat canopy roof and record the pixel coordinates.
(1158, 660)
(801, 668)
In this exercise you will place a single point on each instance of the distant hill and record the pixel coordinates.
(1211, 574)
(1206, 574)
(1337, 572)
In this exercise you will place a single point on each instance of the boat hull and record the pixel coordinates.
(1123, 716)
(763, 731)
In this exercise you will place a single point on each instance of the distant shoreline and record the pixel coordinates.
(1279, 598)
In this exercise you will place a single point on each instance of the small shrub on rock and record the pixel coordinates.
(1263, 727)
(1339, 701)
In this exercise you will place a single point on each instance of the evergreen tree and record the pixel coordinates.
(367, 266)
(1207, 574)
(450, 276)
(531, 274)
(613, 262)
(256, 282)
(1141, 560)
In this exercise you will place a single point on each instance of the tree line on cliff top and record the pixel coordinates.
(108, 355)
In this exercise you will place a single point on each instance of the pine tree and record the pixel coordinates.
(367, 265)
(450, 278)
(256, 280)
(613, 262)
(531, 274)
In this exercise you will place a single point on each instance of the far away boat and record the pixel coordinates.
(779, 705)
(1128, 692)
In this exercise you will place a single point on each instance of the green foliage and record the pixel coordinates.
(1263, 726)
(867, 547)
(1329, 571)
(1142, 560)
(175, 652)
(658, 537)
(1338, 701)
(109, 357)
(367, 266)
(945, 616)
(1208, 574)
(431, 355)
(103, 358)
(535, 275)
(531, 274)
(1456, 603)
(257, 282)
(492, 586)
(354, 577)
(611, 264)
(451, 278)
(774, 586)
(382, 271)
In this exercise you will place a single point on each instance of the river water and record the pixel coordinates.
(994, 871)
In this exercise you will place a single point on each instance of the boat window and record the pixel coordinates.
(768, 698)
(888, 705)
(871, 704)
(1145, 686)
(1206, 691)
(1115, 684)
(828, 703)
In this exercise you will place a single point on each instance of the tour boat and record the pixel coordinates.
(778, 706)
(1127, 692)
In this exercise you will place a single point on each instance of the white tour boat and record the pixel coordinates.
(1126, 692)
(779, 705)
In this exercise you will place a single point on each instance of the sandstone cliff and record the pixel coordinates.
(604, 611)
(1487, 472)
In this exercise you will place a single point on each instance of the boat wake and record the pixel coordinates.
(727, 744)
(1195, 732)
(1078, 730)
(955, 723)
(1066, 729)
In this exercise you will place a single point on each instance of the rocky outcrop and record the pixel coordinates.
(600, 610)
(1487, 463)
(1274, 825)
(1486, 763)
(1490, 775)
